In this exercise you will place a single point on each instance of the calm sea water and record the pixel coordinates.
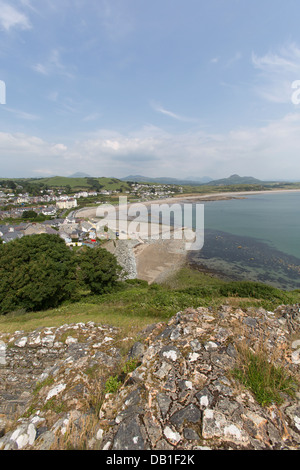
(255, 238)
(271, 218)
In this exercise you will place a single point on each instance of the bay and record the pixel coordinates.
(273, 218)
(254, 238)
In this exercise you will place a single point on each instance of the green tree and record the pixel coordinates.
(36, 272)
(30, 214)
(99, 269)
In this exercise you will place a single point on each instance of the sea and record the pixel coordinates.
(252, 237)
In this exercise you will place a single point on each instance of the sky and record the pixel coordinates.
(177, 88)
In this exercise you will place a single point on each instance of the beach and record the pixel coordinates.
(156, 258)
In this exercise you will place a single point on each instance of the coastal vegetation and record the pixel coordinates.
(40, 272)
(133, 304)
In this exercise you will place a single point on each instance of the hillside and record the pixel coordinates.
(158, 367)
(208, 379)
(235, 179)
(81, 183)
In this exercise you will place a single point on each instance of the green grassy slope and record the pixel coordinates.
(135, 304)
(81, 183)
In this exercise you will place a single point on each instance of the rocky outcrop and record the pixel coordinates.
(123, 250)
(175, 390)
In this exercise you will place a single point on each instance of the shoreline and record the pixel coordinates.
(91, 211)
(157, 258)
(220, 196)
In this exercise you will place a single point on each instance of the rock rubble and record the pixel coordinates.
(181, 394)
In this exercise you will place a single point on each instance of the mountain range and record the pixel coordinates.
(166, 180)
(205, 180)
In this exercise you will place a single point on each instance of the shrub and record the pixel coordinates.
(99, 269)
(251, 289)
(37, 272)
(112, 384)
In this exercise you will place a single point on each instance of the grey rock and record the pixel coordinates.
(137, 351)
(251, 322)
(164, 402)
(129, 436)
(189, 414)
(190, 434)
(170, 353)
(205, 398)
(181, 392)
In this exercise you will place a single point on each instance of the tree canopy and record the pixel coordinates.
(99, 269)
(39, 272)
(36, 272)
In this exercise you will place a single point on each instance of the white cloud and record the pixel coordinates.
(10, 18)
(277, 71)
(268, 152)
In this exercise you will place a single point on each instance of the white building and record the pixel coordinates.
(66, 204)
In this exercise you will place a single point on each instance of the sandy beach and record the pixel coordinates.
(158, 260)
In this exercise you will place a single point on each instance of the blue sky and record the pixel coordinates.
(159, 88)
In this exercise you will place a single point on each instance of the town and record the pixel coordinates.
(28, 209)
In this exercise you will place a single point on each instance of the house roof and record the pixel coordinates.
(10, 236)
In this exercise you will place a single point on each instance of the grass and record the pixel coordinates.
(134, 304)
(264, 379)
(112, 384)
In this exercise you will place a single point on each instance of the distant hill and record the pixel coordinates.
(190, 181)
(166, 180)
(79, 183)
(235, 179)
(79, 175)
(203, 180)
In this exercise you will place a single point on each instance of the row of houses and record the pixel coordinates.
(51, 197)
(17, 212)
(73, 232)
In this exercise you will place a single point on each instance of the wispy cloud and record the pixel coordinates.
(91, 117)
(54, 65)
(160, 109)
(10, 18)
(237, 56)
(276, 73)
(22, 114)
(115, 18)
